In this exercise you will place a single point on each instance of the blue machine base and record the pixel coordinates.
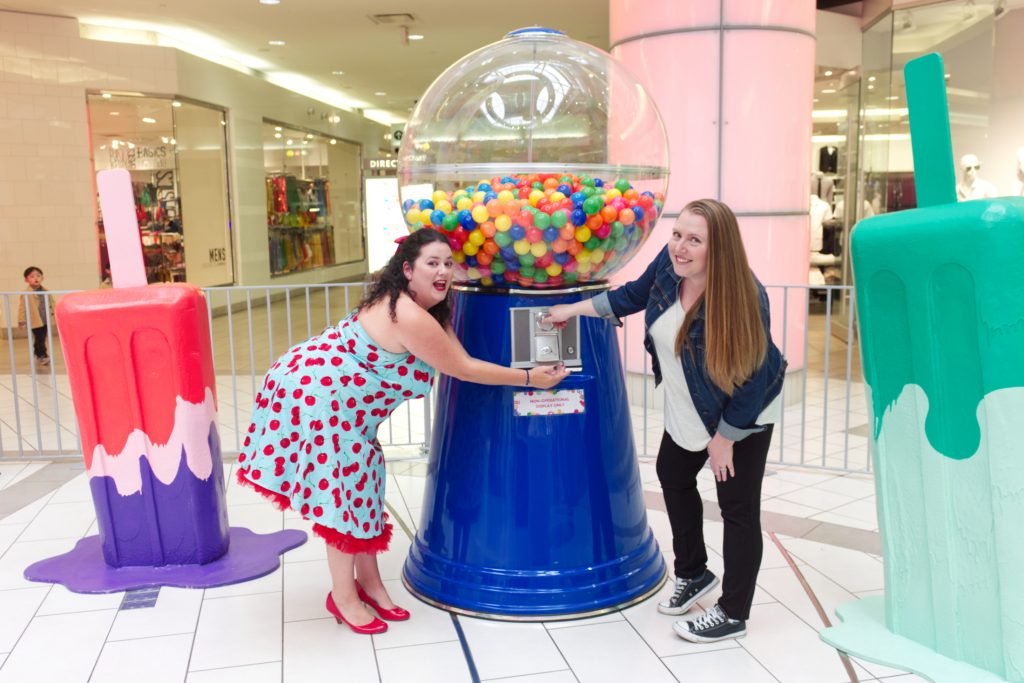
(535, 517)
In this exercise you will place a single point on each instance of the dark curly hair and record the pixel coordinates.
(390, 281)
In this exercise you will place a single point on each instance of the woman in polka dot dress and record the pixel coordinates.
(312, 444)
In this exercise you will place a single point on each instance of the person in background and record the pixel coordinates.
(707, 330)
(35, 310)
(312, 445)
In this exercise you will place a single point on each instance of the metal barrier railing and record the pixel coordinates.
(250, 327)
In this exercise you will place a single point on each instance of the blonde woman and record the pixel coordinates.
(707, 330)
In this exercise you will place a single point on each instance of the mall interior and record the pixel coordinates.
(262, 139)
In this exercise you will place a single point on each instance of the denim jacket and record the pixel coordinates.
(732, 416)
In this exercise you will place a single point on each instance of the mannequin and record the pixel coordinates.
(820, 212)
(1018, 184)
(972, 186)
(822, 187)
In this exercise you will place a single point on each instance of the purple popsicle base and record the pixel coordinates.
(183, 522)
(250, 556)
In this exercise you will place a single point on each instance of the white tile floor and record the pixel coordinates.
(274, 628)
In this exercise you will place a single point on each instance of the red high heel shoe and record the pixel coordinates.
(375, 626)
(396, 614)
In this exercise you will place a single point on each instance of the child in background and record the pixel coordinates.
(40, 308)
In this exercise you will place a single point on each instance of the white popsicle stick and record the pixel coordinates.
(124, 247)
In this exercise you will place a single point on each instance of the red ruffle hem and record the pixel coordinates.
(346, 543)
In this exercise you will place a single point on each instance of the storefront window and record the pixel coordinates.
(978, 42)
(314, 199)
(175, 152)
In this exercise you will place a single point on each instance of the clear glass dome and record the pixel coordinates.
(543, 160)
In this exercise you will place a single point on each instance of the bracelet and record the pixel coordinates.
(527, 376)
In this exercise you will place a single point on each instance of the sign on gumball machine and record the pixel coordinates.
(545, 163)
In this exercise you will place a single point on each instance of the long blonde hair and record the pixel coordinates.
(735, 343)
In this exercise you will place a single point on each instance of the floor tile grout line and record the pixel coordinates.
(661, 660)
(195, 633)
(103, 646)
(236, 666)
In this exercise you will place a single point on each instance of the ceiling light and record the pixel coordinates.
(288, 141)
(148, 119)
(333, 141)
(103, 146)
(173, 141)
(107, 96)
(270, 2)
(828, 91)
(338, 73)
(380, 93)
(893, 97)
(131, 145)
(871, 79)
(829, 72)
(309, 136)
(277, 128)
(175, 103)
(223, 122)
(277, 135)
(415, 36)
(276, 43)
(115, 113)
(815, 99)
(871, 87)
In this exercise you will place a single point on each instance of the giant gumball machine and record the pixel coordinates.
(545, 163)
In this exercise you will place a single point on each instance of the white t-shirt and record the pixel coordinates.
(682, 422)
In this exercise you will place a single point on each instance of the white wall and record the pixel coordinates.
(46, 188)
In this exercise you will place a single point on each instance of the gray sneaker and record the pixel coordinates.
(687, 593)
(713, 625)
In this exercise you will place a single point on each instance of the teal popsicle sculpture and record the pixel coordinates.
(940, 299)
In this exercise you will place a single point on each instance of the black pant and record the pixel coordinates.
(39, 341)
(739, 498)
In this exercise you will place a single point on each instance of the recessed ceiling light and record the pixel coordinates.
(829, 72)
(288, 141)
(270, 2)
(276, 43)
(893, 97)
(148, 119)
(107, 96)
(277, 135)
(115, 113)
(333, 141)
(828, 91)
(871, 87)
(380, 93)
(871, 79)
(309, 136)
(415, 36)
(815, 99)
(277, 128)
(338, 73)
(175, 103)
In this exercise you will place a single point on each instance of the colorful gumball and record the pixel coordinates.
(538, 230)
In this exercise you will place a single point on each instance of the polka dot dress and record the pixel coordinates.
(312, 444)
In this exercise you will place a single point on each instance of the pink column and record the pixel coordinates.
(733, 80)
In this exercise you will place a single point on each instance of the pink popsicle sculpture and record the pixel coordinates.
(142, 381)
